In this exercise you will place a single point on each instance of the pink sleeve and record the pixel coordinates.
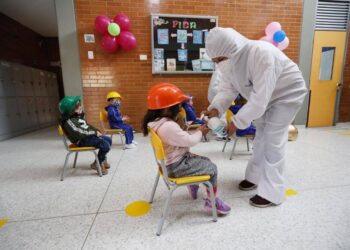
(173, 135)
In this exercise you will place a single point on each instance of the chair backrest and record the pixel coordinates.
(63, 135)
(103, 119)
(182, 114)
(159, 154)
(229, 115)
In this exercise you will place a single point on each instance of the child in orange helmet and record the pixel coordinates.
(164, 102)
(117, 120)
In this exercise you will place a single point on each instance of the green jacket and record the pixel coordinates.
(76, 128)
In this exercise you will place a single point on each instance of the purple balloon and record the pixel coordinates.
(123, 21)
(109, 43)
(127, 40)
(101, 24)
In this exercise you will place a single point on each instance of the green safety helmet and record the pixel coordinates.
(68, 103)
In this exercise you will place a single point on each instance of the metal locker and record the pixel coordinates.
(55, 86)
(34, 120)
(14, 114)
(4, 117)
(17, 79)
(35, 74)
(8, 86)
(42, 83)
(26, 79)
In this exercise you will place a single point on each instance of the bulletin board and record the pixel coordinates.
(178, 44)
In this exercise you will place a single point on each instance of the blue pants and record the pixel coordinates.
(103, 143)
(128, 130)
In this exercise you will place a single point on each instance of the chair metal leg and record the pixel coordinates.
(75, 159)
(248, 144)
(98, 164)
(223, 149)
(213, 203)
(234, 147)
(65, 164)
(165, 210)
(154, 187)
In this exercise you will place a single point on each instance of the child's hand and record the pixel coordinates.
(126, 118)
(211, 113)
(98, 133)
(204, 129)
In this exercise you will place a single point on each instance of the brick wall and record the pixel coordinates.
(131, 77)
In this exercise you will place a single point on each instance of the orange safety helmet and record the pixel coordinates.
(164, 95)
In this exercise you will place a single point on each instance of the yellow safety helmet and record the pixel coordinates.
(113, 94)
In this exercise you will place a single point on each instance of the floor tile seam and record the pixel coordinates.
(104, 196)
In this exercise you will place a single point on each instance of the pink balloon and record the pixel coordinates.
(269, 40)
(284, 44)
(271, 28)
(123, 21)
(127, 40)
(101, 24)
(109, 43)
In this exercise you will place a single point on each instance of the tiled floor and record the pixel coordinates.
(87, 212)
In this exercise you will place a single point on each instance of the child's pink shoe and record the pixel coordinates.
(193, 190)
(221, 207)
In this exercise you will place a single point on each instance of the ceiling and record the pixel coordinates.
(38, 15)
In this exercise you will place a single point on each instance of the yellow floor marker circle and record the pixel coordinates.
(291, 192)
(3, 222)
(138, 208)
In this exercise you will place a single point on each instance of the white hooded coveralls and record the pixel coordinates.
(274, 88)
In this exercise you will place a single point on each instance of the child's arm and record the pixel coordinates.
(172, 134)
(78, 131)
(114, 115)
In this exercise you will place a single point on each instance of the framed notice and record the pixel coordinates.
(178, 44)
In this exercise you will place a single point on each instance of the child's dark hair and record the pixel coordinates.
(153, 115)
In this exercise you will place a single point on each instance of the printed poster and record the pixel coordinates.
(197, 36)
(182, 55)
(163, 36)
(182, 36)
(158, 53)
(171, 64)
(158, 65)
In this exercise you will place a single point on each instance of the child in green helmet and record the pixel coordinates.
(81, 133)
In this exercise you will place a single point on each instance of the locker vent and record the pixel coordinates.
(332, 15)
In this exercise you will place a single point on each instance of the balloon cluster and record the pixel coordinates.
(276, 36)
(116, 32)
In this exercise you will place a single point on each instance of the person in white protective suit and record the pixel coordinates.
(214, 85)
(275, 90)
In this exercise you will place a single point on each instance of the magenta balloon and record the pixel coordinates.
(127, 40)
(109, 43)
(284, 44)
(123, 21)
(271, 28)
(101, 24)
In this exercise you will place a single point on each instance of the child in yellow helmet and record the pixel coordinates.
(117, 120)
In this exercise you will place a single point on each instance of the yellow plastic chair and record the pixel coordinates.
(110, 131)
(73, 148)
(189, 125)
(173, 183)
(235, 138)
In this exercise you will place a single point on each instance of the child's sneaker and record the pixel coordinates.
(103, 169)
(134, 142)
(130, 146)
(193, 190)
(221, 207)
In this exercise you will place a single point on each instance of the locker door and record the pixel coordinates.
(15, 117)
(17, 79)
(4, 117)
(22, 113)
(33, 113)
(42, 83)
(54, 85)
(8, 87)
(26, 79)
(36, 81)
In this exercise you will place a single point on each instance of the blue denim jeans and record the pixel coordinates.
(103, 143)
(129, 134)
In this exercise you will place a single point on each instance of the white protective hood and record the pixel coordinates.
(257, 70)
